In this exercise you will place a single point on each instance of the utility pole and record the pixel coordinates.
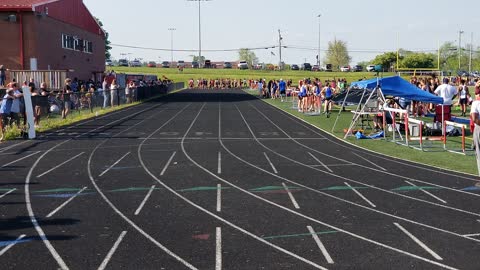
(319, 40)
(171, 40)
(199, 29)
(471, 54)
(280, 38)
(460, 49)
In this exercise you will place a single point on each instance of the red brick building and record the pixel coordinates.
(51, 35)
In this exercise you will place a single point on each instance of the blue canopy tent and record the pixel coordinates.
(397, 87)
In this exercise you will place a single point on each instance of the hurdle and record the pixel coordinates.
(462, 150)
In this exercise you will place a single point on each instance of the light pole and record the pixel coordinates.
(171, 41)
(319, 40)
(199, 29)
(460, 49)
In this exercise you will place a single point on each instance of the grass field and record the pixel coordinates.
(187, 74)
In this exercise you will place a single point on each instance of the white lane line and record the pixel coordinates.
(168, 163)
(295, 204)
(361, 195)
(219, 198)
(113, 165)
(8, 192)
(65, 203)
(60, 165)
(219, 169)
(4, 250)
(112, 251)
(12, 146)
(321, 163)
(320, 245)
(426, 192)
(472, 235)
(144, 200)
(218, 249)
(20, 159)
(271, 164)
(420, 243)
(373, 163)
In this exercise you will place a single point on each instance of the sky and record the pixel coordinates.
(369, 27)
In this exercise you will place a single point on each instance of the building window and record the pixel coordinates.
(88, 47)
(77, 44)
(67, 42)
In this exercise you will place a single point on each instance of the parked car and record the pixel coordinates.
(135, 63)
(180, 64)
(370, 68)
(165, 64)
(123, 63)
(357, 68)
(328, 67)
(295, 67)
(195, 64)
(345, 68)
(306, 66)
(243, 65)
(108, 63)
(316, 68)
(208, 64)
(227, 65)
(152, 64)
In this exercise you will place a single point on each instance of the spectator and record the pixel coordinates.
(65, 98)
(16, 106)
(3, 75)
(106, 93)
(128, 90)
(5, 110)
(475, 118)
(463, 95)
(37, 110)
(447, 92)
(114, 92)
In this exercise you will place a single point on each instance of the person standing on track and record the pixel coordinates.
(282, 86)
(328, 94)
(475, 117)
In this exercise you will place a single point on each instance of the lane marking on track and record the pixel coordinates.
(65, 203)
(168, 163)
(420, 243)
(12, 146)
(8, 192)
(295, 204)
(219, 169)
(472, 235)
(4, 250)
(218, 249)
(321, 163)
(426, 192)
(60, 165)
(271, 164)
(373, 163)
(144, 200)
(219, 198)
(122, 215)
(20, 159)
(360, 195)
(112, 251)
(114, 164)
(320, 245)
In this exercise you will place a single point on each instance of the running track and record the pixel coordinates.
(206, 179)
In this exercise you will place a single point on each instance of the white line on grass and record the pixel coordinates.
(112, 251)
(114, 164)
(426, 192)
(271, 164)
(295, 204)
(320, 245)
(360, 194)
(218, 249)
(144, 200)
(321, 163)
(219, 169)
(20, 159)
(60, 165)
(168, 163)
(219, 198)
(65, 203)
(8, 192)
(4, 250)
(420, 243)
(373, 163)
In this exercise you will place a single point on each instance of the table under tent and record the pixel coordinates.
(370, 98)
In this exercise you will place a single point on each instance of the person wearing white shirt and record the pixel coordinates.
(447, 92)
(475, 118)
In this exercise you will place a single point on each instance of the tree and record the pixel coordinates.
(337, 54)
(196, 58)
(107, 41)
(386, 60)
(418, 60)
(247, 55)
